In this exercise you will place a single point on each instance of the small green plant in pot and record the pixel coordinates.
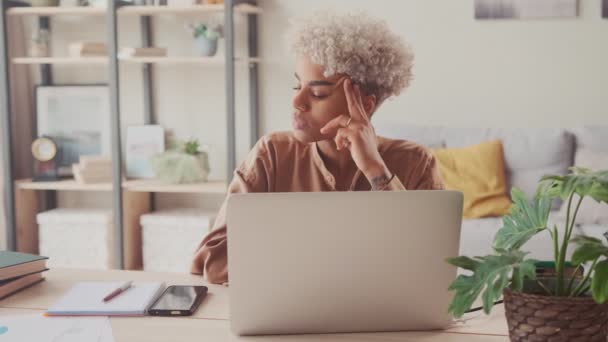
(571, 302)
(184, 163)
(205, 38)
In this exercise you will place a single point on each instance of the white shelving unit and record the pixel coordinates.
(132, 198)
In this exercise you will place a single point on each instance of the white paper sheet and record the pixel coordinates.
(86, 298)
(55, 329)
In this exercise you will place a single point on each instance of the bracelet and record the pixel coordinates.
(385, 184)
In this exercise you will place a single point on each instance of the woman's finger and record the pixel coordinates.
(353, 108)
(360, 102)
(335, 124)
(342, 138)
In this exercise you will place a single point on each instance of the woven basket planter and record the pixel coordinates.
(534, 317)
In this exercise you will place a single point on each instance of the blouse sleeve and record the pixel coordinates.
(253, 175)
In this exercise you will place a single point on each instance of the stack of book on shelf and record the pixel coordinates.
(19, 270)
(88, 49)
(93, 169)
(127, 52)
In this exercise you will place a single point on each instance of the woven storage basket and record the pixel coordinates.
(534, 317)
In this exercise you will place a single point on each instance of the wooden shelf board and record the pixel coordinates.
(130, 10)
(55, 10)
(141, 60)
(186, 60)
(61, 60)
(65, 185)
(214, 187)
(186, 10)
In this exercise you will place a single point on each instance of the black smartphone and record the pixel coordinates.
(178, 300)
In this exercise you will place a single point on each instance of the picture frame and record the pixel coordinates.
(143, 143)
(525, 9)
(77, 118)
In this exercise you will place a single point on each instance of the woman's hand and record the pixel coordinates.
(355, 132)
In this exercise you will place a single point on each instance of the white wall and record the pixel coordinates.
(468, 72)
(489, 73)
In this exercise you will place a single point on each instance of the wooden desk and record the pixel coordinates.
(210, 322)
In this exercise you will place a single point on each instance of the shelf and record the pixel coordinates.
(55, 10)
(186, 10)
(187, 60)
(61, 60)
(130, 10)
(213, 187)
(140, 60)
(66, 185)
(140, 185)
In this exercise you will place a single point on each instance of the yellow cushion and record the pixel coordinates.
(479, 172)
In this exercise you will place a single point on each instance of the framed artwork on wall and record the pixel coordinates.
(525, 9)
(77, 118)
(605, 9)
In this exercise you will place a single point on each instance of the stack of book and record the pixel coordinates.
(88, 49)
(93, 169)
(127, 52)
(19, 270)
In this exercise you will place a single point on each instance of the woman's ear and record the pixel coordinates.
(369, 104)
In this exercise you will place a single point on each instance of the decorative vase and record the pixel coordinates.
(205, 46)
(178, 167)
(533, 317)
(37, 3)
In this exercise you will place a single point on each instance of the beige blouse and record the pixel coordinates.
(280, 163)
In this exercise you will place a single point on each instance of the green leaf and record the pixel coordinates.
(588, 249)
(599, 284)
(191, 147)
(525, 220)
(582, 181)
(526, 269)
(490, 276)
(599, 192)
(464, 262)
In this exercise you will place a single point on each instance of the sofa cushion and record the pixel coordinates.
(479, 172)
(593, 138)
(530, 153)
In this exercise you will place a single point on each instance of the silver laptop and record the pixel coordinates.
(330, 262)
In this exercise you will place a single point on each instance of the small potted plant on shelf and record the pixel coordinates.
(40, 43)
(205, 38)
(184, 163)
(565, 302)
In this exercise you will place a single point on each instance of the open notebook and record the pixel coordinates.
(86, 299)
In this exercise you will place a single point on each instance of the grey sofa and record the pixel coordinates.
(529, 154)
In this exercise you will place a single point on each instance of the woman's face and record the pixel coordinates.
(317, 99)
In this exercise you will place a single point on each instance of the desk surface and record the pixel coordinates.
(210, 322)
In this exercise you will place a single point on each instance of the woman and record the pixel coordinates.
(346, 67)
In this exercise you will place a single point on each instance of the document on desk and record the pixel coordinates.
(55, 329)
(86, 299)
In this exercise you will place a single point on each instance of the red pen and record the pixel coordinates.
(118, 291)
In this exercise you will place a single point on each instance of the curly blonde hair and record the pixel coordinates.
(356, 45)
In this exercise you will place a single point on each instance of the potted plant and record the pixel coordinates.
(39, 43)
(182, 164)
(205, 38)
(567, 303)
